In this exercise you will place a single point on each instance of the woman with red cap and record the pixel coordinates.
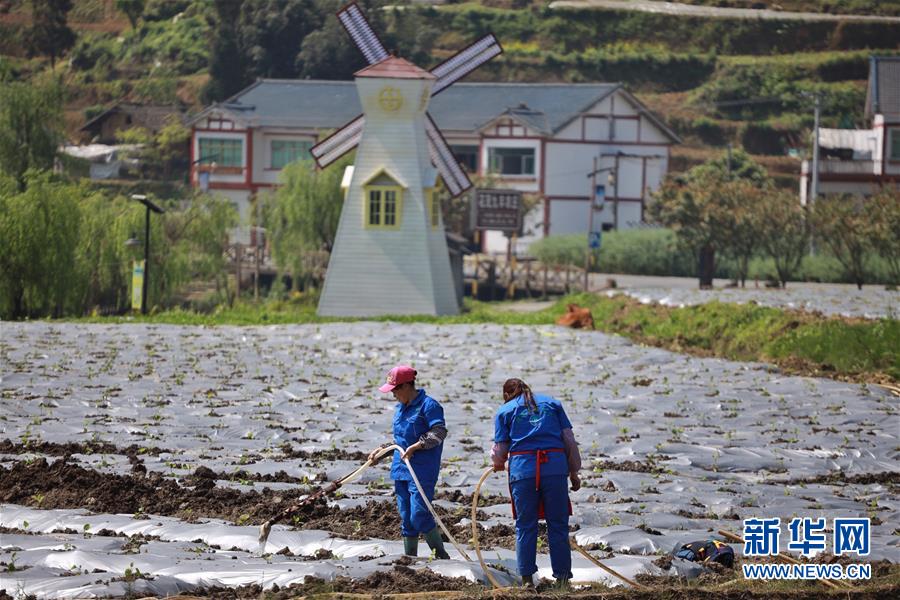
(419, 427)
(534, 433)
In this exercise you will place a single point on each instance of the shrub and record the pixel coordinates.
(631, 251)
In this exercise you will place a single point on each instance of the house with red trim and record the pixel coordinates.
(861, 161)
(538, 138)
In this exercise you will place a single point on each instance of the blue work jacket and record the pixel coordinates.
(410, 422)
(525, 430)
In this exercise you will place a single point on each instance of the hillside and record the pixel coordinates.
(715, 81)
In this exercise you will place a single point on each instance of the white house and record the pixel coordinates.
(860, 161)
(540, 138)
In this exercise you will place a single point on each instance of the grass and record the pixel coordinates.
(798, 342)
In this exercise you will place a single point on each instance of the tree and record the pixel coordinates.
(39, 228)
(272, 31)
(783, 232)
(226, 64)
(712, 208)
(303, 214)
(133, 9)
(845, 225)
(741, 200)
(31, 125)
(50, 34)
(885, 212)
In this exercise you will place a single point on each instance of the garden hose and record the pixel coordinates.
(266, 527)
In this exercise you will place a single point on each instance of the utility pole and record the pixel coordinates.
(587, 250)
(591, 197)
(814, 185)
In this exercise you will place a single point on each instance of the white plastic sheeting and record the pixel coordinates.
(709, 441)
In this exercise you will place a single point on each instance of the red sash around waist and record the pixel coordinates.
(541, 458)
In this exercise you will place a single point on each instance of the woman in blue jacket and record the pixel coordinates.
(534, 433)
(419, 427)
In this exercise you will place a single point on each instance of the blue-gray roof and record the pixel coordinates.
(883, 94)
(462, 107)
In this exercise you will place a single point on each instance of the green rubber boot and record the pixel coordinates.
(435, 542)
(527, 581)
(411, 546)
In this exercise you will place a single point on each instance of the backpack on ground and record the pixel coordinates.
(707, 551)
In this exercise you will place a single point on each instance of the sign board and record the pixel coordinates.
(594, 239)
(497, 210)
(599, 196)
(137, 284)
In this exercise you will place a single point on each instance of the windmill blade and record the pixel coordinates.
(339, 143)
(453, 175)
(463, 63)
(365, 38)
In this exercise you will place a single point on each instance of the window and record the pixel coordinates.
(383, 206)
(285, 152)
(434, 207)
(894, 144)
(467, 157)
(224, 152)
(511, 161)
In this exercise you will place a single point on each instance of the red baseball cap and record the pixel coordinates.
(396, 376)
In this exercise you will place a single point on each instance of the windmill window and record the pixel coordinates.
(222, 151)
(511, 161)
(285, 152)
(383, 206)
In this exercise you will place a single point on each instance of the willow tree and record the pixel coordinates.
(302, 216)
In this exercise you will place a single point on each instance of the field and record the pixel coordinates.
(139, 459)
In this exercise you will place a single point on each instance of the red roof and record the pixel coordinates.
(394, 67)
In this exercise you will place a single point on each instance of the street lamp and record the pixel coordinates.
(134, 242)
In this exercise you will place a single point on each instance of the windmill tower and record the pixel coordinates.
(390, 252)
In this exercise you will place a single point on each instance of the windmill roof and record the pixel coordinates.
(394, 67)
(317, 104)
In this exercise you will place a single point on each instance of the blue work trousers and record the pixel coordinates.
(555, 495)
(414, 515)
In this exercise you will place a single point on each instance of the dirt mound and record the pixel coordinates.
(64, 485)
(401, 579)
(57, 449)
(839, 478)
(327, 455)
(633, 466)
(374, 519)
(466, 499)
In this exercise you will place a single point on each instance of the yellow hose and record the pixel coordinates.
(475, 543)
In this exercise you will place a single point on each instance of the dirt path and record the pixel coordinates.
(713, 12)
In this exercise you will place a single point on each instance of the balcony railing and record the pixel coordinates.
(848, 167)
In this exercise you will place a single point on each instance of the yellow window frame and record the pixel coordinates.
(382, 203)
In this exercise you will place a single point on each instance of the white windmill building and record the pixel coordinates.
(390, 252)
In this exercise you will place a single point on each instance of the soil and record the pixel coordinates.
(64, 485)
(398, 580)
(632, 466)
(466, 499)
(323, 455)
(889, 478)
(56, 449)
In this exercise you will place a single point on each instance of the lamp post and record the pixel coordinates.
(150, 206)
(591, 198)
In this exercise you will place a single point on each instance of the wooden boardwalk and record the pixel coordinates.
(494, 278)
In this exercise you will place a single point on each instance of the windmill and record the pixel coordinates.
(390, 252)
